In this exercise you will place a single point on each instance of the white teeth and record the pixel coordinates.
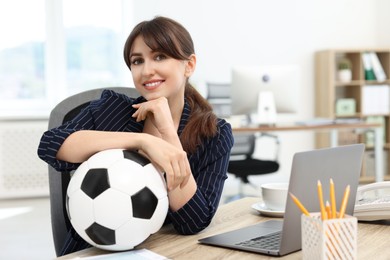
(152, 84)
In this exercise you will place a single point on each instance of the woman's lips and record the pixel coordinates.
(153, 84)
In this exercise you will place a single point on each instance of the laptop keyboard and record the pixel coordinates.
(268, 242)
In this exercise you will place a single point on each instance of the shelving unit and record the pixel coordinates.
(330, 90)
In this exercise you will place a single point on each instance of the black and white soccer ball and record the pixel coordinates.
(117, 199)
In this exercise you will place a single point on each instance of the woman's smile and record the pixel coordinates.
(151, 85)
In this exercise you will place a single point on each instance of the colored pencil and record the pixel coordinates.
(299, 204)
(321, 200)
(333, 199)
(344, 202)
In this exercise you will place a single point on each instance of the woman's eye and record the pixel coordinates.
(160, 57)
(136, 61)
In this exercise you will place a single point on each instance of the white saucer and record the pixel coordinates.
(260, 207)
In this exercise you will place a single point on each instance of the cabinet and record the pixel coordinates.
(364, 98)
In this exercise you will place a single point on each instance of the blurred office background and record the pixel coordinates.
(50, 49)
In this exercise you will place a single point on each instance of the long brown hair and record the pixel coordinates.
(165, 35)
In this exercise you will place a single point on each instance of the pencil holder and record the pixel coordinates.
(329, 239)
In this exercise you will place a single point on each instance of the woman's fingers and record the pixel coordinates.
(140, 114)
(187, 171)
(153, 107)
(170, 177)
(170, 159)
(178, 173)
(174, 175)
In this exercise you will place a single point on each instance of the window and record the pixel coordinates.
(53, 49)
(22, 52)
(93, 43)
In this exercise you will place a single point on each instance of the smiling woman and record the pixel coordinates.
(170, 123)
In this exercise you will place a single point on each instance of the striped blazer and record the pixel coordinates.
(112, 112)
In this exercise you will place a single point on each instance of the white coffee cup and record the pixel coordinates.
(275, 195)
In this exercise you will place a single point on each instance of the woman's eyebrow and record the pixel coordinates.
(135, 54)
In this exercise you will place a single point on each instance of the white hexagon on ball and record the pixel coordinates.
(112, 208)
(123, 175)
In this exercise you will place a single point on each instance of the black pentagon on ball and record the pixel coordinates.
(95, 182)
(101, 235)
(144, 203)
(135, 156)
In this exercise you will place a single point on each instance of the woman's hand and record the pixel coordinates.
(172, 160)
(165, 152)
(158, 112)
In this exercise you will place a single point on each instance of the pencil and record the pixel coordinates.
(344, 202)
(299, 204)
(321, 200)
(328, 210)
(332, 199)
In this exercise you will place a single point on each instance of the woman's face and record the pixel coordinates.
(155, 74)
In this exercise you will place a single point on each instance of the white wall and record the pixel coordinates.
(263, 32)
(383, 23)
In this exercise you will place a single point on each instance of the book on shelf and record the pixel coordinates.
(376, 99)
(377, 67)
(367, 65)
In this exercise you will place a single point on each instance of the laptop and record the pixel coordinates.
(276, 237)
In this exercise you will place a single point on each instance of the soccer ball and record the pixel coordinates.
(116, 199)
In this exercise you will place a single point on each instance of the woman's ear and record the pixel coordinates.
(190, 65)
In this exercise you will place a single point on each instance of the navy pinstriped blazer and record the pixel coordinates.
(112, 112)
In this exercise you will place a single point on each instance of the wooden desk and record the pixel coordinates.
(333, 129)
(372, 238)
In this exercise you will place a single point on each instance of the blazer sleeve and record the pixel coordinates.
(111, 112)
(209, 167)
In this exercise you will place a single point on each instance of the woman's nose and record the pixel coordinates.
(148, 68)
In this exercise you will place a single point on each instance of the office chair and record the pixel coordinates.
(246, 165)
(242, 163)
(59, 181)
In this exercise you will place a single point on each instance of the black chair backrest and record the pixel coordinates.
(58, 181)
(244, 144)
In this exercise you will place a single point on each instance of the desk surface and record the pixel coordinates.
(372, 238)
